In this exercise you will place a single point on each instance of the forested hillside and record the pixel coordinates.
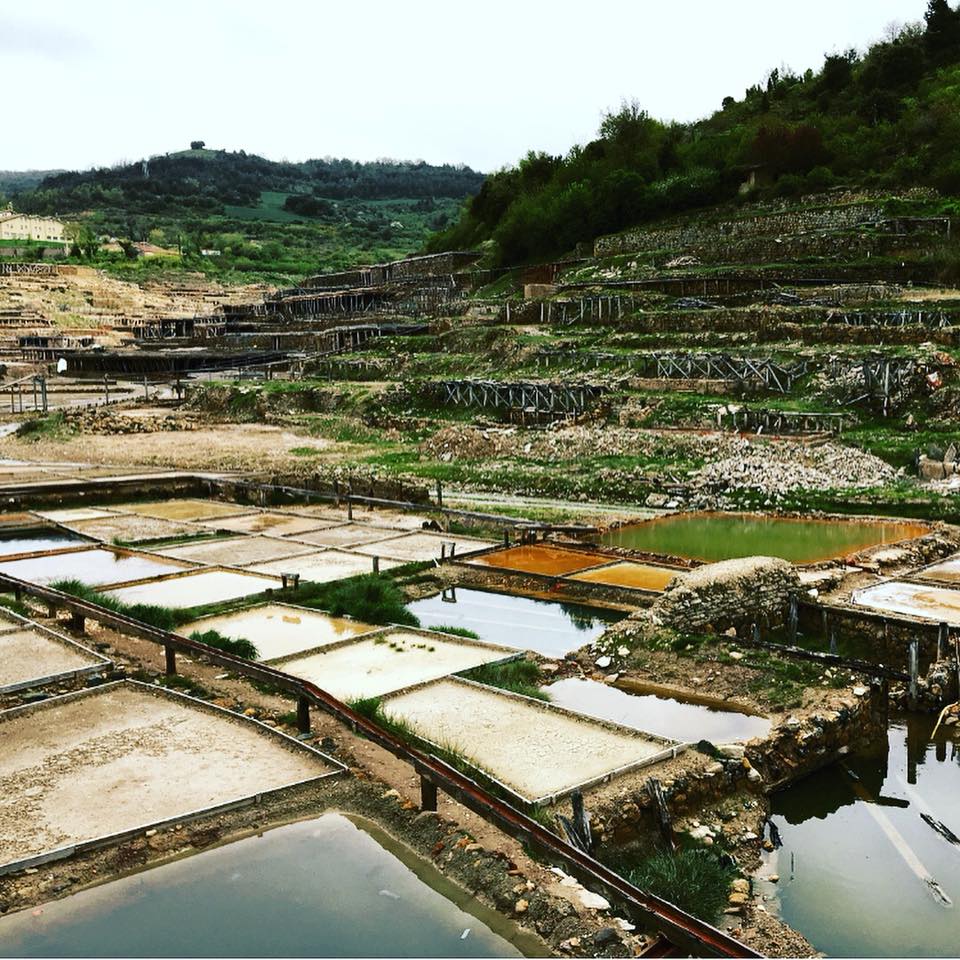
(206, 181)
(237, 213)
(889, 117)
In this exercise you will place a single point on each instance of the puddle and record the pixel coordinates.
(852, 841)
(664, 716)
(636, 576)
(36, 539)
(320, 888)
(539, 558)
(278, 630)
(548, 627)
(97, 566)
(720, 536)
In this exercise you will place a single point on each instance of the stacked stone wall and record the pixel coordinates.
(729, 593)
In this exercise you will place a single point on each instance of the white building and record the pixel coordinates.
(25, 226)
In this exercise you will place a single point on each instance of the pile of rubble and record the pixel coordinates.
(775, 470)
(572, 442)
(97, 420)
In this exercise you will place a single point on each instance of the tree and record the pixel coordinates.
(83, 240)
(942, 35)
(197, 144)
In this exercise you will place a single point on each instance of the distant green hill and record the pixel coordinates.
(206, 181)
(17, 181)
(265, 219)
(888, 119)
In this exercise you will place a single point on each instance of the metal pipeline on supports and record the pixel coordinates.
(679, 927)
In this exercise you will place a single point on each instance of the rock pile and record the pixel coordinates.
(774, 470)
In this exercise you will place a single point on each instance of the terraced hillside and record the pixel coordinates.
(684, 371)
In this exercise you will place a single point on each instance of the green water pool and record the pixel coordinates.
(723, 536)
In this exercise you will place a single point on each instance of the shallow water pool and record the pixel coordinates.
(323, 888)
(723, 536)
(664, 716)
(854, 840)
(549, 627)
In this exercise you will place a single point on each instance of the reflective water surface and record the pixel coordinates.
(549, 627)
(862, 870)
(665, 716)
(323, 888)
(721, 536)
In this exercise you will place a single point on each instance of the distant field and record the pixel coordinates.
(270, 209)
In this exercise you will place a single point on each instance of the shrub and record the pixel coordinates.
(694, 880)
(370, 598)
(518, 676)
(237, 646)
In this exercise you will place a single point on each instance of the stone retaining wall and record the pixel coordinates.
(728, 593)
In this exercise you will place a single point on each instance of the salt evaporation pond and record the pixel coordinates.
(546, 626)
(320, 888)
(850, 833)
(664, 716)
(722, 536)
(35, 539)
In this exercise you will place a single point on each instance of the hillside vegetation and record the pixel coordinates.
(888, 118)
(271, 220)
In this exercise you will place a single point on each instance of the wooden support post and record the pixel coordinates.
(52, 611)
(170, 658)
(77, 622)
(376, 565)
(428, 794)
(506, 537)
(439, 494)
(303, 714)
(943, 640)
(914, 668)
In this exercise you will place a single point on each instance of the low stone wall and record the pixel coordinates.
(796, 747)
(771, 224)
(728, 593)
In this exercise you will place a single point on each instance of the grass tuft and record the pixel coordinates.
(518, 676)
(163, 618)
(238, 646)
(694, 879)
(458, 632)
(370, 598)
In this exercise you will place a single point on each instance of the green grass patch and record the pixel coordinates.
(693, 879)
(53, 426)
(370, 598)
(10, 602)
(458, 631)
(238, 646)
(518, 676)
(163, 618)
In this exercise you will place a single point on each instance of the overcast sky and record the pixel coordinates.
(480, 83)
